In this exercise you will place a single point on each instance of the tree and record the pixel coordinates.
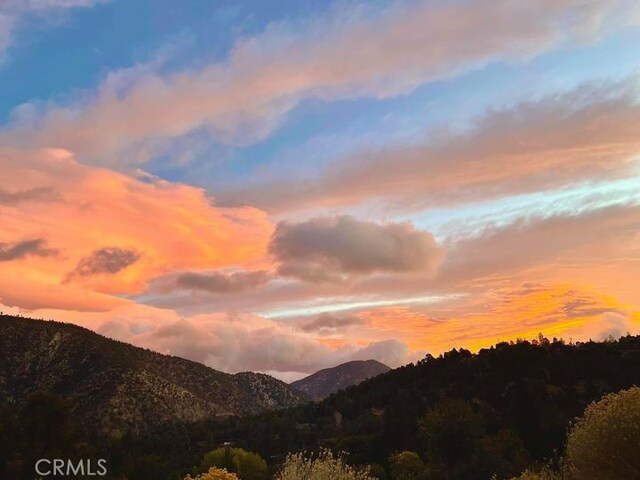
(248, 465)
(603, 443)
(47, 421)
(214, 474)
(324, 466)
(502, 454)
(149, 467)
(406, 465)
(451, 429)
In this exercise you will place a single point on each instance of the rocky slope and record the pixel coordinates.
(325, 382)
(117, 387)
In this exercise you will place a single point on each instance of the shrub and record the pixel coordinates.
(603, 444)
(406, 466)
(324, 466)
(248, 465)
(214, 474)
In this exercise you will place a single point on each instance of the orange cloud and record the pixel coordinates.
(112, 233)
(567, 311)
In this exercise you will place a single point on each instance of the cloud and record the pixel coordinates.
(248, 343)
(24, 248)
(38, 194)
(501, 308)
(588, 134)
(12, 12)
(326, 323)
(571, 276)
(355, 52)
(176, 227)
(527, 242)
(598, 247)
(218, 282)
(610, 324)
(330, 248)
(228, 342)
(390, 352)
(109, 260)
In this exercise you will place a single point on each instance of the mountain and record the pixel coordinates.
(325, 382)
(121, 388)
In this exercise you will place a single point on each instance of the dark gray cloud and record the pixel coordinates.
(326, 322)
(217, 282)
(23, 248)
(330, 248)
(42, 194)
(105, 260)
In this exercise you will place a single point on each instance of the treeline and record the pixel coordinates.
(455, 417)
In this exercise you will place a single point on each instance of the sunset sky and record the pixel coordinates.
(286, 185)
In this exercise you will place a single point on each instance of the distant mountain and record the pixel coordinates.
(117, 387)
(325, 382)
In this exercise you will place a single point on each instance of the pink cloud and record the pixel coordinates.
(588, 134)
(357, 52)
(231, 343)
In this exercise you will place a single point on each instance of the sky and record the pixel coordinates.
(284, 186)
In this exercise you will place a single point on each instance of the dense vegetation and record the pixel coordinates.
(459, 416)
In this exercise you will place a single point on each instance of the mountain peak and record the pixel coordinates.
(329, 380)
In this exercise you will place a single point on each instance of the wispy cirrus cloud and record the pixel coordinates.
(12, 11)
(587, 134)
(352, 53)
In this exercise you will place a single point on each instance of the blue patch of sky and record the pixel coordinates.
(53, 59)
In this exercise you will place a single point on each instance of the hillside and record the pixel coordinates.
(330, 380)
(118, 387)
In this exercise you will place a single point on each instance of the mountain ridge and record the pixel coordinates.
(120, 387)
